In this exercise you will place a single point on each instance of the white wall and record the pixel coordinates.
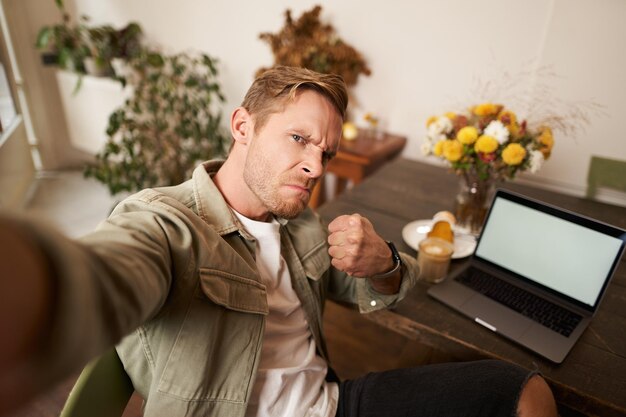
(426, 57)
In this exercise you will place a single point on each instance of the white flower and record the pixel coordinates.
(446, 123)
(497, 130)
(426, 147)
(437, 138)
(438, 128)
(536, 161)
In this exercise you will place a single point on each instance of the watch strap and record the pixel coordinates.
(396, 259)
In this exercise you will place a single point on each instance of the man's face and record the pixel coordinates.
(289, 153)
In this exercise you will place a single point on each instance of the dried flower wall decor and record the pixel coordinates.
(308, 43)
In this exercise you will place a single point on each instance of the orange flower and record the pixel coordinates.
(486, 109)
(509, 120)
(546, 139)
(459, 122)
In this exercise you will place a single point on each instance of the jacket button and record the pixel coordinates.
(373, 303)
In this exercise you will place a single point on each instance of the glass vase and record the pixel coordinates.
(472, 202)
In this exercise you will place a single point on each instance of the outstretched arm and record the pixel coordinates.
(63, 302)
(26, 293)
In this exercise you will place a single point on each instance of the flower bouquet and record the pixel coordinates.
(485, 145)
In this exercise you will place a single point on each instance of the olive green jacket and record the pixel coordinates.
(177, 263)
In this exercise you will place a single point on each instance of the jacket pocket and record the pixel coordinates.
(217, 348)
(234, 292)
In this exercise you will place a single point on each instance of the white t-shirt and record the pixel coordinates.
(291, 376)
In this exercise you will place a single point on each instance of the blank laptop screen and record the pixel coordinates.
(561, 255)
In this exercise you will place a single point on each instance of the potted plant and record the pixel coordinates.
(110, 48)
(169, 125)
(84, 49)
(100, 42)
(64, 43)
(126, 46)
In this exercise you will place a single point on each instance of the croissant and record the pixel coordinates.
(442, 230)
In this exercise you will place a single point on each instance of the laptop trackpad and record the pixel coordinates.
(505, 320)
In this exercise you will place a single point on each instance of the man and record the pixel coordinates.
(221, 283)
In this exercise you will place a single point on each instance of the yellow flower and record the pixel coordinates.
(509, 120)
(467, 135)
(431, 120)
(486, 109)
(486, 144)
(452, 150)
(371, 119)
(450, 115)
(546, 140)
(513, 154)
(438, 148)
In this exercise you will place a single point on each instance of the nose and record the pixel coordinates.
(312, 165)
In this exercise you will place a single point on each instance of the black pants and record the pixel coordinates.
(481, 388)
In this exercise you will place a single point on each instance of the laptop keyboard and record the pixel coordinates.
(528, 304)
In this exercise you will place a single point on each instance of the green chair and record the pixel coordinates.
(103, 389)
(605, 172)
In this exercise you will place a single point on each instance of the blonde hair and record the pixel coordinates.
(271, 91)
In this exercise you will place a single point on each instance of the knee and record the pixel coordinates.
(536, 399)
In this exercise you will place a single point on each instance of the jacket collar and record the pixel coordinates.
(210, 203)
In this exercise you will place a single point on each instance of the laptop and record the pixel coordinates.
(537, 275)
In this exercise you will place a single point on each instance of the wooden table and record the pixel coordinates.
(592, 379)
(356, 159)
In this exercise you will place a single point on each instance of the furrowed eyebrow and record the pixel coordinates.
(328, 155)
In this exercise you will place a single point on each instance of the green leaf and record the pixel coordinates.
(65, 59)
(191, 82)
(79, 83)
(43, 37)
(115, 121)
(156, 60)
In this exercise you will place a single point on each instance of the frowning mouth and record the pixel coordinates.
(301, 188)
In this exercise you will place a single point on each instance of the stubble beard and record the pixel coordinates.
(265, 185)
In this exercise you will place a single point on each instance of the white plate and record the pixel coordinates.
(414, 232)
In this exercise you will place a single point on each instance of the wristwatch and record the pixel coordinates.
(396, 259)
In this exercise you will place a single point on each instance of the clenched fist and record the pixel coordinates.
(356, 248)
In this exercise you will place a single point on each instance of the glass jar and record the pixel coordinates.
(473, 200)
